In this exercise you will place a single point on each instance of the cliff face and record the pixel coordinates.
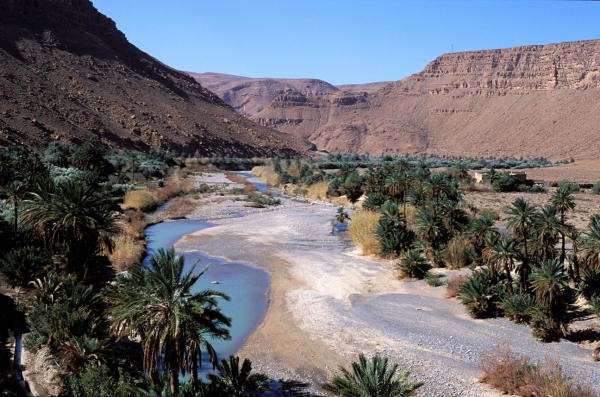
(524, 101)
(67, 73)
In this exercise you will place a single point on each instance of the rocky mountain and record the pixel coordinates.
(540, 100)
(251, 95)
(67, 73)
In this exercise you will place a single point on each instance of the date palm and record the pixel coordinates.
(549, 282)
(562, 200)
(520, 220)
(504, 253)
(590, 244)
(156, 304)
(235, 380)
(372, 378)
(73, 220)
(547, 230)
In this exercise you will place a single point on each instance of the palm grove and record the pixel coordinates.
(126, 335)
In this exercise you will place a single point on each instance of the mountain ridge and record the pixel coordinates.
(69, 74)
(535, 100)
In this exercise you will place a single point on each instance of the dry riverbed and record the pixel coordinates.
(327, 304)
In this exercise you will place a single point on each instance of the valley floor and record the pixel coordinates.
(327, 304)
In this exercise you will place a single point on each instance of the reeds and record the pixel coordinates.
(361, 230)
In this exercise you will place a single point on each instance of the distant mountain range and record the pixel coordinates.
(68, 74)
(539, 100)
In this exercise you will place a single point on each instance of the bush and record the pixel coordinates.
(394, 236)
(596, 188)
(433, 279)
(142, 199)
(481, 294)
(24, 264)
(456, 254)
(362, 231)
(93, 381)
(517, 375)
(594, 303)
(126, 251)
(454, 285)
(413, 264)
(519, 307)
(317, 191)
(537, 188)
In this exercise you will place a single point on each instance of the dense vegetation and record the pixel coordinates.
(60, 227)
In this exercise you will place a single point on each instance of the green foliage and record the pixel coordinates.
(99, 380)
(590, 282)
(235, 380)
(519, 307)
(73, 219)
(64, 311)
(374, 201)
(433, 280)
(371, 378)
(482, 293)
(393, 234)
(505, 182)
(413, 264)
(352, 187)
(596, 188)
(23, 264)
(156, 302)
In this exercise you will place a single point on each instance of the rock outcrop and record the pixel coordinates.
(68, 74)
(541, 100)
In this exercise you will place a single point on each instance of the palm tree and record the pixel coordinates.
(233, 380)
(520, 221)
(574, 235)
(477, 232)
(590, 244)
(504, 253)
(431, 229)
(562, 200)
(15, 190)
(413, 264)
(548, 280)
(73, 220)
(156, 303)
(371, 379)
(547, 229)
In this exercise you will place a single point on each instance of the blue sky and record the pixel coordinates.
(339, 41)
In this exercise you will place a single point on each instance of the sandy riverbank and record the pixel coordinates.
(327, 304)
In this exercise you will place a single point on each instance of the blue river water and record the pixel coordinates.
(248, 287)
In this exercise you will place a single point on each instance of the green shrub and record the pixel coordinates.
(93, 381)
(596, 188)
(594, 303)
(519, 307)
(537, 188)
(433, 279)
(392, 231)
(481, 294)
(24, 264)
(413, 264)
(373, 378)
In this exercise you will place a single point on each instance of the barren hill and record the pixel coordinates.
(541, 100)
(67, 73)
(251, 95)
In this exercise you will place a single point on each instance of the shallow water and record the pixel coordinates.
(248, 287)
(260, 185)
